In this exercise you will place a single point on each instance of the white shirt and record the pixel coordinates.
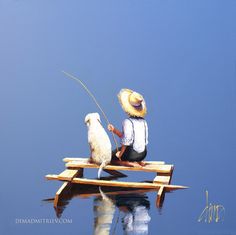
(135, 132)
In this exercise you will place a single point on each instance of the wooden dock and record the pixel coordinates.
(73, 174)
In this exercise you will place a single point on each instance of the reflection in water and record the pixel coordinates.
(104, 210)
(134, 208)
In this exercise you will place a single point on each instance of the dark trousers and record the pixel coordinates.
(130, 154)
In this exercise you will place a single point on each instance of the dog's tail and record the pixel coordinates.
(101, 168)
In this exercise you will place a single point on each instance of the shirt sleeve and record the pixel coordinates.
(127, 138)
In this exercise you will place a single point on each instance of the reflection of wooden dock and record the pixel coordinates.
(74, 175)
(83, 191)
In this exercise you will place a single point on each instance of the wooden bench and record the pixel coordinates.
(73, 174)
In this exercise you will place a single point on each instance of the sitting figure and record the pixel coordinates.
(134, 135)
(99, 142)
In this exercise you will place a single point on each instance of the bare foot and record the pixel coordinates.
(135, 164)
(90, 160)
(142, 163)
(125, 163)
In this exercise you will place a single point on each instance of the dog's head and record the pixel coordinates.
(91, 117)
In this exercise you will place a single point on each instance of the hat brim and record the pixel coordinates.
(123, 97)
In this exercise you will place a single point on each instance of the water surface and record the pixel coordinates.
(179, 54)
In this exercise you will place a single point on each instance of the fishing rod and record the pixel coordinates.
(94, 99)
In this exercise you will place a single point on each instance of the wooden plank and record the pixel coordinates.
(160, 196)
(148, 168)
(154, 162)
(52, 177)
(67, 174)
(69, 159)
(171, 173)
(65, 186)
(162, 179)
(125, 184)
(160, 191)
(117, 183)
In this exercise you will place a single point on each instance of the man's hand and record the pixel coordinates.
(110, 127)
(118, 155)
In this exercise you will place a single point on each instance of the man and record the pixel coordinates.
(134, 135)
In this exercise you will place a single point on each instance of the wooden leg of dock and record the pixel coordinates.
(163, 178)
(66, 186)
(171, 173)
(80, 173)
(160, 197)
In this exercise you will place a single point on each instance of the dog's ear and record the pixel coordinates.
(97, 116)
(87, 120)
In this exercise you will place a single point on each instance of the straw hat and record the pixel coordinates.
(132, 103)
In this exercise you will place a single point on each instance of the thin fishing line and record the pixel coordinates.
(94, 99)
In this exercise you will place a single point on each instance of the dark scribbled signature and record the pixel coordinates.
(212, 212)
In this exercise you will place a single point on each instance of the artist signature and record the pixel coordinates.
(212, 212)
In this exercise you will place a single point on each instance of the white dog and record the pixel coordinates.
(99, 142)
